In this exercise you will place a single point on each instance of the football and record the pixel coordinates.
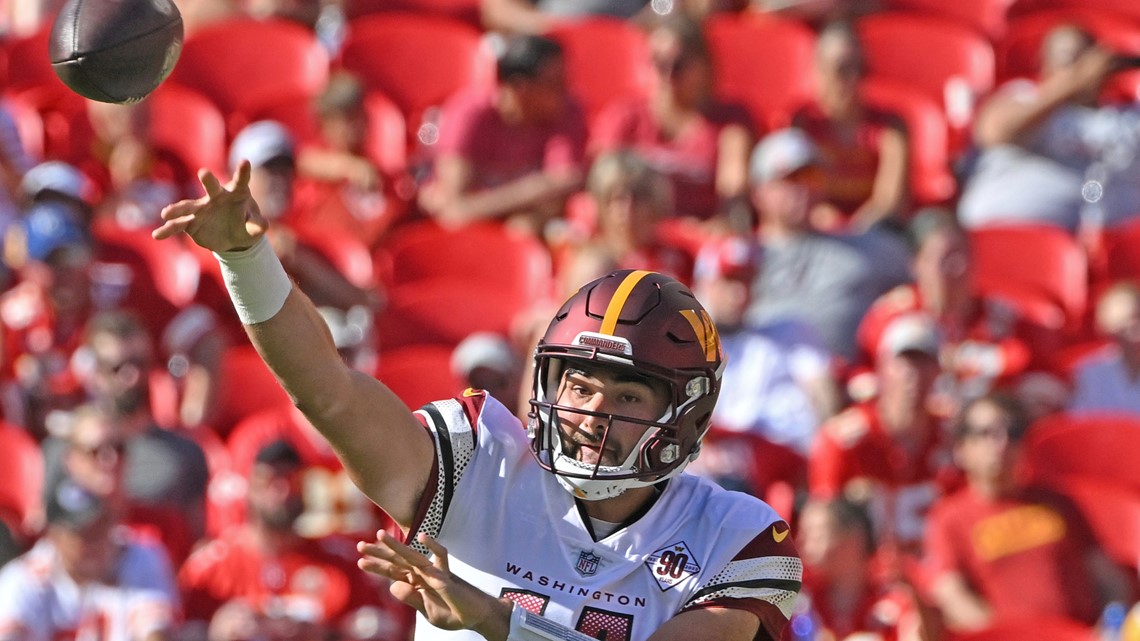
(115, 50)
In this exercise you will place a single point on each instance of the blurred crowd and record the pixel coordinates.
(916, 227)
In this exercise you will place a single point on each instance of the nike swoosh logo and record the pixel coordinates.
(780, 536)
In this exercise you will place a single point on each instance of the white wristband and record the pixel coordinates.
(528, 626)
(256, 281)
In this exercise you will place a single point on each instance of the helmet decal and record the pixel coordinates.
(706, 332)
(613, 310)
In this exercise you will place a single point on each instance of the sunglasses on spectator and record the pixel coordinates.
(103, 450)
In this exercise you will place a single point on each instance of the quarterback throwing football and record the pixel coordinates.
(582, 525)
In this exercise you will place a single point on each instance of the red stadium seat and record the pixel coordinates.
(32, 81)
(346, 254)
(444, 312)
(1113, 512)
(1018, 54)
(419, 374)
(1126, 9)
(466, 11)
(172, 268)
(1032, 259)
(930, 177)
(988, 17)
(606, 60)
(950, 63)
(1093, 446)
(187, 124)
(762, 62)
(416, 60)
(1120, 247)
(387, 134)
(1035, 629)
(242, 64)
(246, 386)
(21, 481)
(489, 254)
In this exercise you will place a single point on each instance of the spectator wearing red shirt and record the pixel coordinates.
(515, 152)
(700, 144)
(890, 450)
(982, 342)
(844, 592)
(265, 578)
(865, 149)
(999, 549)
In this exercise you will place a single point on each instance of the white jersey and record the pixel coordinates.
(513, 531)
(39, 601)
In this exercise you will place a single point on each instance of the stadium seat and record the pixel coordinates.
(930, 177)
(241, 64)
(1126, 9)
(1018, 54)
(419, 374)
(185, 123)
(21, 481)
(32, 82)
(246, 386)
(444, 312)
(762, 62)
(606, 60)
(418, 61)
(170, 266)
(466, 11)
(488, 254)
(1120, 252)
(1035, 629)
(1032, 259)
(387, 134)
(346, 254)
(1113, 512)
(1097, 446)
(987, 17)
(950, 63)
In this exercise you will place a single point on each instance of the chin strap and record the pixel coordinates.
(528, 626)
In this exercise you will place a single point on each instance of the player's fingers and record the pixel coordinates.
(210, 182)
(172, 227)
(408, 595)
(409, 554)
(179, 209)
(438, 550)
(385, 569)
(381, 551)
(240, 180)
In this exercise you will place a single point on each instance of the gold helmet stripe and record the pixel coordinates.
(613, 310)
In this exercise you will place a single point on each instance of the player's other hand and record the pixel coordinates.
(427, 585)
(227, 218)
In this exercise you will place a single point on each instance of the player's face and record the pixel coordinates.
(612, 392)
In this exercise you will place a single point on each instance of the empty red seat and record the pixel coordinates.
(466, 11)
(444, 312)
(1035, 629)
(1035, 259)
(762, 62)
(606, 60)
(171, 268)
(187, 124)
(419, 374)
(246, 386)
(988, 17)
(1113, 513)
(1097, 446)
(21, 481)
(1120, 252)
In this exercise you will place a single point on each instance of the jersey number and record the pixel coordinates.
(596, 622)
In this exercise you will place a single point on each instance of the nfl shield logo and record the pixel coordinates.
(588, 563)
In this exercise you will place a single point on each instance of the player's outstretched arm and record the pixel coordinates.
(377, 438)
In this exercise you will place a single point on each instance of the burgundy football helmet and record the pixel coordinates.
(653, 326)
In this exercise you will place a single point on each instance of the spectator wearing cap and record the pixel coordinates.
(1001, 549)
(486, 361)
(271, 151)
(515, 152)
(340, 182)
(87, 578)
(825, 280)
(865, 149)
(777, 382)
(982, 336)
(1109, 380)
(889, 451)
(699, 143)
(264, 576)
(59, 182)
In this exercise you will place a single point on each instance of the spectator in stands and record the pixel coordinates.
(1048, 153)
(890, 451)
(699, 143)
(1109, 381)
(826, 280)
(818, 11)
(165, 472)
(87, 578)
(487, 361)
(981, 343)
(999, 549)
(845, 594)
(264, 578)
(271, 150)
(341, 186)
(513, 153)
(864, 149)
(778, 381)
(59, 182)
(538, 16)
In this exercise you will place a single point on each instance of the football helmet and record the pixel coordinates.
(641, 323)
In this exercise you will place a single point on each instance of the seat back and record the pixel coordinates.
(1037, 259)
(762, 62)
(21, 481)
(184, 122)
(419, 374)
(169, 266)
(1035, 629)
(1113, 513)
(444, 312)
(245, 386)
(1098, 446)
(987, 17)
(606, 60)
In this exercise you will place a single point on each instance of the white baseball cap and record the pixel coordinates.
(910, 333)
(781, 153)
(261, 142)
(58, 177)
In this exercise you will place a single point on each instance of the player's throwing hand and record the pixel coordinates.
(226, 219)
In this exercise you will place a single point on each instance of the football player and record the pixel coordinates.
(582, 526)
